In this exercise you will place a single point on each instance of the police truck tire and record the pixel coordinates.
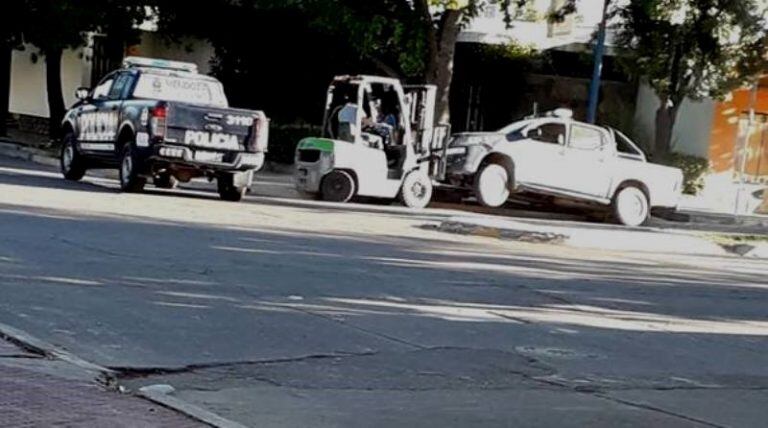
(416, 191)
(130, 179)
(228, 190)
(631, 207)
(492, 185)
(338, 186)
(165, 181)
(72, 164)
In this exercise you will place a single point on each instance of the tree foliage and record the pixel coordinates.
(53, 26)
(413, 38)
(692, 49)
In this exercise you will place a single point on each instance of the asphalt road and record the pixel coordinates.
(277, 312)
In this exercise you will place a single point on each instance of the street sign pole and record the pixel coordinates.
(594, 88)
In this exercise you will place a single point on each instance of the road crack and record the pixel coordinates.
(140, 372)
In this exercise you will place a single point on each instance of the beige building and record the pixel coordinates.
(83, 68)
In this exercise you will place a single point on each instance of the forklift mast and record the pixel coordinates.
(429, 139)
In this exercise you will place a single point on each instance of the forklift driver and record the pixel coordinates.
(347, 115)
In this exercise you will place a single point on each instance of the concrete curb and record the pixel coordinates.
(162, 395)
(20, 151)
(109, 377)
(754, 221)
(759, 251)
(581, 236)
(48, 350)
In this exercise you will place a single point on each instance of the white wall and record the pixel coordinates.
(692, 130)
(190, 50)
(489, 26)
(28, 89)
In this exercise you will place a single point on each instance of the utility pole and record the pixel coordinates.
(594, 89)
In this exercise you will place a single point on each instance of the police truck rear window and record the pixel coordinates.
(180, 89)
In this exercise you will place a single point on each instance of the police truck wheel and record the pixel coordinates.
(228, 191)
(71, 162)
(338, 186)
(165, 181)
(492, 185)
(130, 180)
(631, 207)
(416, 191)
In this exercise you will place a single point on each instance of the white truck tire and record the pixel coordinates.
(631, 206)
(492, 185)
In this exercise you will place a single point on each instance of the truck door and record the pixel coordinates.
(111, 109)
(541, 161)
(588, 157)
(98, 119)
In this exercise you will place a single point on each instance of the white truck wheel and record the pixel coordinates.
(631, 206)
(492, 185)
(338, 186)
(416, 191)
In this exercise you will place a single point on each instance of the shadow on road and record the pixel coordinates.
(211, 308)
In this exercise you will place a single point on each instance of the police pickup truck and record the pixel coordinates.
(163, 121)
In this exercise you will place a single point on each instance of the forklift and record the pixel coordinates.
(378, 141)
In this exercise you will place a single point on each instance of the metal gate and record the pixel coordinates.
(754, 157)
(107, 56)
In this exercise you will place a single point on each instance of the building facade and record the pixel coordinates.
(84, 67)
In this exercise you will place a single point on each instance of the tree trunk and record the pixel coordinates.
(5, 87)
(665, 124)
(440, 69)
(55, 94)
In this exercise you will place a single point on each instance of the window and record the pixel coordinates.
(118, 89)
(625, 146)
(552, 133)
(584, 138)
(184, 89)
(102, 91)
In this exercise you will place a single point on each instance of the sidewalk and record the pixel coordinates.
(39, 392)
(600, 236)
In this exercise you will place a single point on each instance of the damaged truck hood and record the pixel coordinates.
(468, 139)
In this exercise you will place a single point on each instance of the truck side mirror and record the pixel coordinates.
(82, 94)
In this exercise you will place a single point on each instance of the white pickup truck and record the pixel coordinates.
(558, 159)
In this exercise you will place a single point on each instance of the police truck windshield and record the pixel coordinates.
(180, 89)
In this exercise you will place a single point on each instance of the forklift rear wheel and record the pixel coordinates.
(338, 186)
(416, 191)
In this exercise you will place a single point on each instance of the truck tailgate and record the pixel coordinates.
(214, 128)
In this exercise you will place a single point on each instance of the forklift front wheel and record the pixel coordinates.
(417, 190)
(338, 186)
